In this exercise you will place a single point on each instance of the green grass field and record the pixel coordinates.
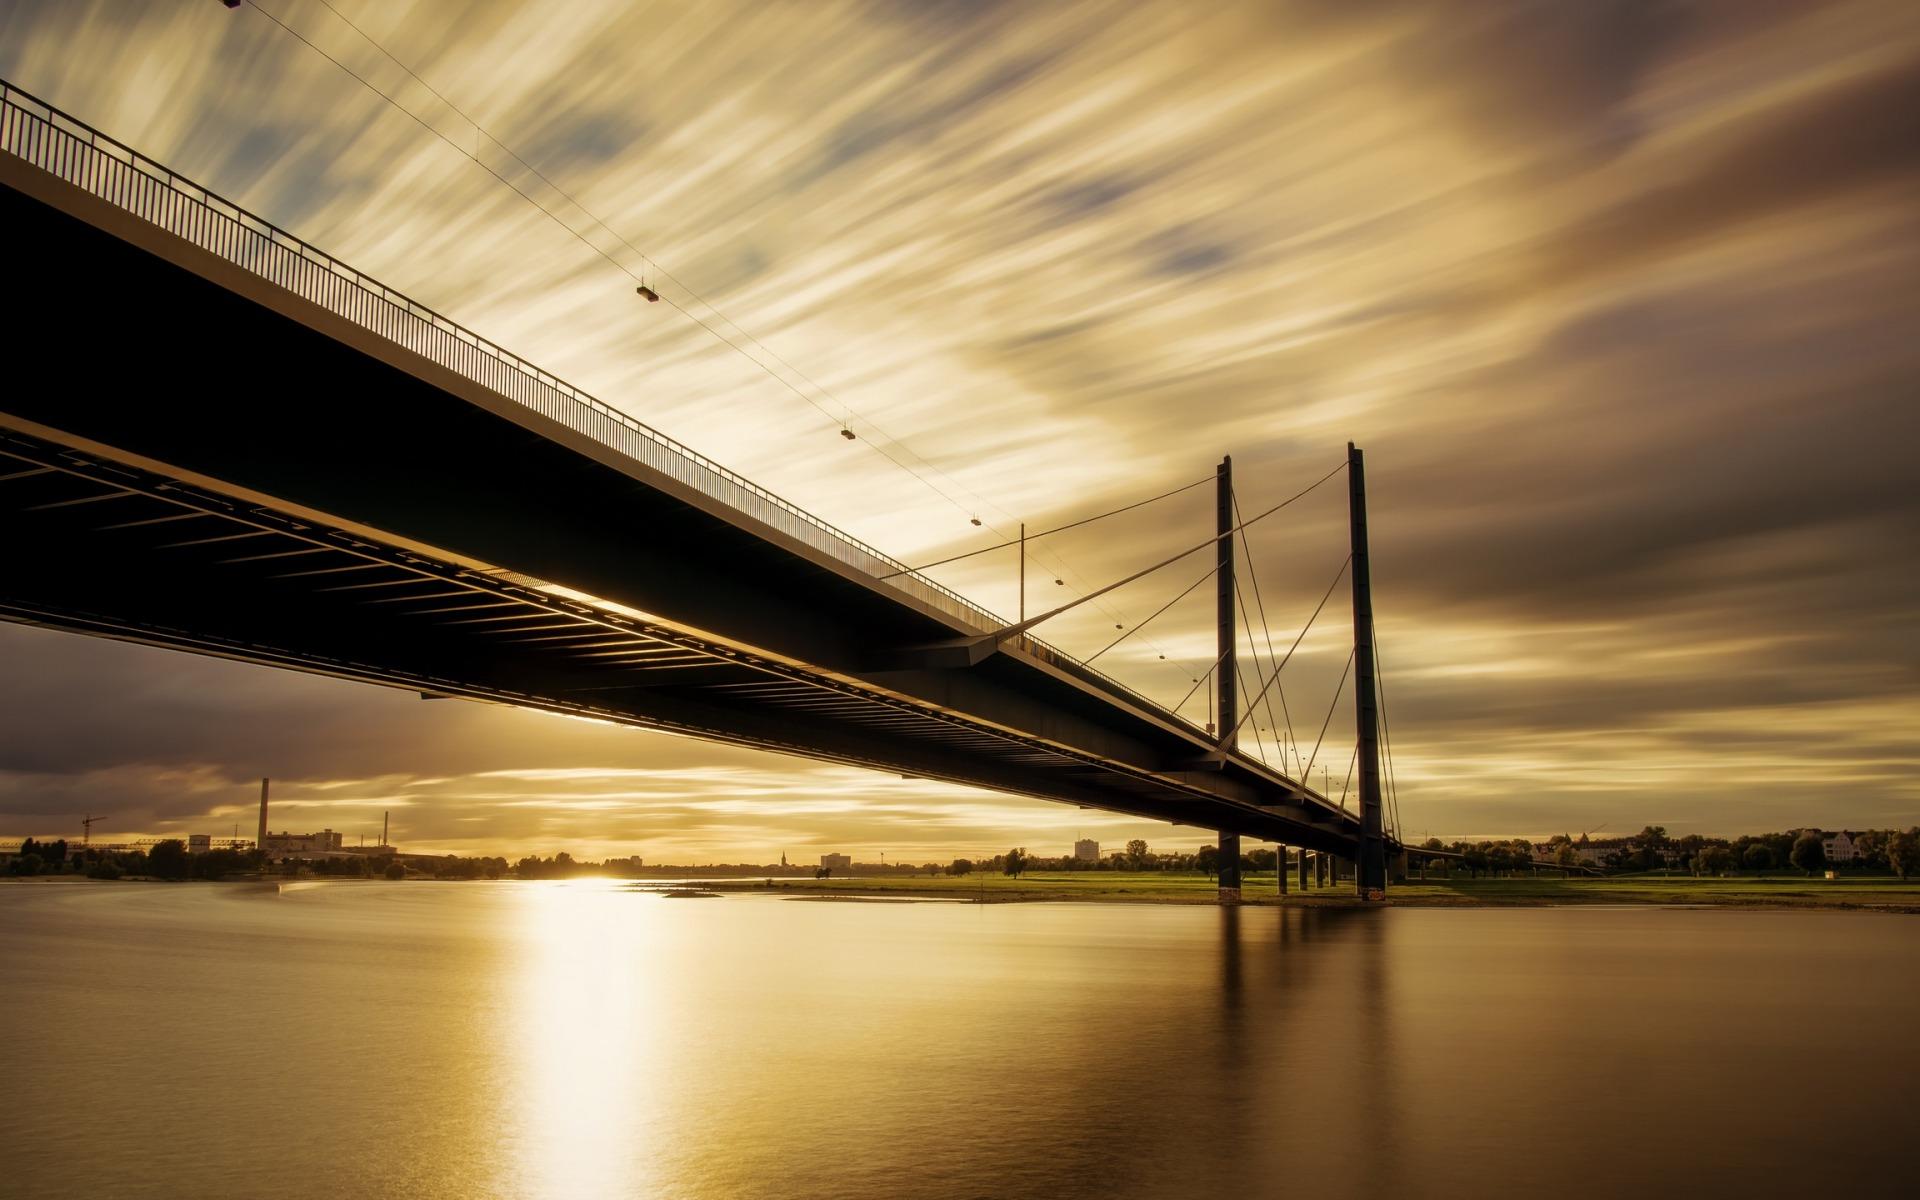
(1863, 892)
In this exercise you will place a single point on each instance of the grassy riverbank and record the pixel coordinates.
(1155, 887)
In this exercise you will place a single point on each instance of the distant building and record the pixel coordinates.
(1087, 850)
(284, 845)
(199, 843)
(837, 862)
(1839, 847)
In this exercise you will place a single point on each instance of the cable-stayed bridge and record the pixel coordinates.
(234, 444)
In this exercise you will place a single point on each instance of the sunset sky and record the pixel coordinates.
(1620, 299)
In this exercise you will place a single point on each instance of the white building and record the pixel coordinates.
(837, 862)
(282, 844)
(1839, 847)
(1087, 850)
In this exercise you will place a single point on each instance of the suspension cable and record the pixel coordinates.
(1323, 725)
(846, 411)
(1208, 674)
(1253, 576)
(1156, 612)
(1386, 735)
(1303, 632)
(1034, 537)
(1021, 627)
(1254, 648)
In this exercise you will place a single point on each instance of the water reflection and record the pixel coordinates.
(578, 1041)
(583, 1024)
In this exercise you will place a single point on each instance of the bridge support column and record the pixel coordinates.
(1225, 670)
(1229, 868)
(1370, 864)
(1319, 869)
(1280, 867)
(1302, 867)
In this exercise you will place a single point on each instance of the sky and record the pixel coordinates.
(1619, 298)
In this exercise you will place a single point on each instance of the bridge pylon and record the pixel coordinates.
(1225, 670)
(1370, 864)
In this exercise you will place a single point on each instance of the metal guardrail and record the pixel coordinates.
(76, 153)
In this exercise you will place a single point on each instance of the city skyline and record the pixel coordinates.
(1637, 400)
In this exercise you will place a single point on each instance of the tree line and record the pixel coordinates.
(1881, 851)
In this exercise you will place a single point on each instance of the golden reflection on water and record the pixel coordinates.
(583, 1019)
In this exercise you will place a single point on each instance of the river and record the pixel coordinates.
(582, 1040)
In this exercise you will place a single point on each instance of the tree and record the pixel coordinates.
(168, 859)
(25, 863)
(1476, 860)
(1136, 855)
(1903, 852)
(1566, 854)
(1712, 860)
(1016, 862)
(1759, 857)
(960, 866)
(395, 870)
(1208, 860)
(1808, 852)
(1651, 844)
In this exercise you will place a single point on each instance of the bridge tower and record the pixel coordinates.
(1225, 673)
(1370, 864)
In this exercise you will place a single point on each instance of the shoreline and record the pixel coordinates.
(1866, 894)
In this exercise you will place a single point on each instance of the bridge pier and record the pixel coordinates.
(1229, 868)
(1280, 866)
(1301, 865)
(1319, 869)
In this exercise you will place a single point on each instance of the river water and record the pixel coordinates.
(582, 1040)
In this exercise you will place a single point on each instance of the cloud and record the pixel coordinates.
(1617, 298)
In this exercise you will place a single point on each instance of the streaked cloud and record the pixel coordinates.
(1618, 297)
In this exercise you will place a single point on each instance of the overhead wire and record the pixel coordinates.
(1138, 626)
(1253, 648)
(1033, 537)
(1309, 625)
(1392, 789)
(1253, 577)
(847, 413)
(1324, 724)
(1020, 627)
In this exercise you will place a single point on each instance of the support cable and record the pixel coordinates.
(1034, 537)
(839, 421)
(1258, 752)
(1344, 784)
(1323, 725)
(1254, 648)
(1206, 675)
(1253, 576)
(1156, 612)
(1386, 737)
(1274, 678)
(1022, 626)
(847, 413)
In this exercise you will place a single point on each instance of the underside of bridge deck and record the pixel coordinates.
(210, 463)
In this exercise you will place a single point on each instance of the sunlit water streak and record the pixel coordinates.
(585, 1039)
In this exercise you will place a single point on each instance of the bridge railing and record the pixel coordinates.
(82, 156)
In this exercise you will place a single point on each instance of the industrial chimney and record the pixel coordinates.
(261, 844)
(383, 829)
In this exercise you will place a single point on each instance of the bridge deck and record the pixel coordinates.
(256, 452)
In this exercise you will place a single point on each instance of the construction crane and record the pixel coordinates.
(86, 825)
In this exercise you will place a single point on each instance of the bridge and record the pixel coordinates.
(222, 440)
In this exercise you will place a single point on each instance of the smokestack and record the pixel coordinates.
(383, 829)
(262, 843)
